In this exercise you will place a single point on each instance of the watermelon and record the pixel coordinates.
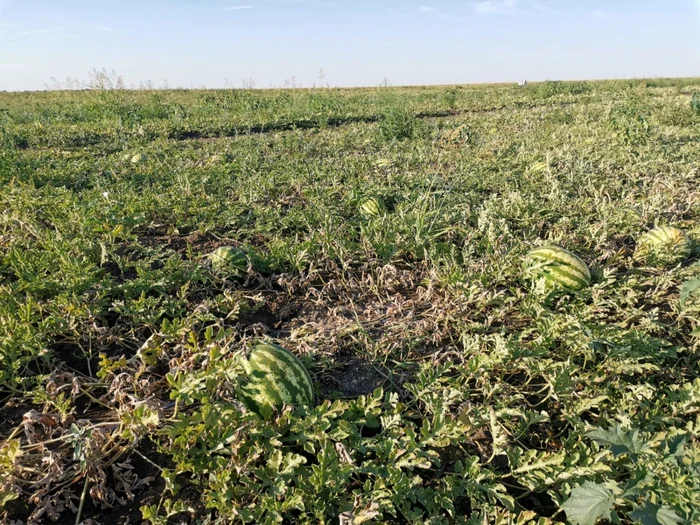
(138, 158)
(229, 259)
(695, 102)
(275, 378)
(663, 246)
(372, 207)
(557, 268)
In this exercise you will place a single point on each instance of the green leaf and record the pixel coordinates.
(696, 332)
(675, 446)
(667, 516)
(619, 440)
(652, 514)
(689, 288)
(6, 496)
(588, 503)
(636, 484)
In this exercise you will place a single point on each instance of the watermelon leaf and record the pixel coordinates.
(619, 440)
(652, 514)
(667, 516)
(6, 497)
(674, 446)
(588, 503)
(689, 288)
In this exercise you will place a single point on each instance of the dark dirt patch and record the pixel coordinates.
(271, 318)
(199, 242)
(195, 242)
(149, 494)
(352, 379)
(120, 274)
(624, 244)
(75, 359)
(130, 513)
(538, 502)
(11, 412)
(280, 310)
(336, 122)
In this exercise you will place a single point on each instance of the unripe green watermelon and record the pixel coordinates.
(138, 158)
(372, 207)
(695, 103)
(276, 378)
(229, 259)
(663, 246)
(558, 268)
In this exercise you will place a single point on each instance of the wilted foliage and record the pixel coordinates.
(381, 236)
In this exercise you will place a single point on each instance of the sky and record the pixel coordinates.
(217, 43)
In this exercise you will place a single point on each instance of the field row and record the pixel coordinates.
(449, 390)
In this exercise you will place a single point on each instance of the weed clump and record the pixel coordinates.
(399, 123)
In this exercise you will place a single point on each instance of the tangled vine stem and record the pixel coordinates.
(381, 238)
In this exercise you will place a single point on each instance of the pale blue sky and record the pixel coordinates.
(204, 42)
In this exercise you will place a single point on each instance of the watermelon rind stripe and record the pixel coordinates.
(263, 394)
(278, 378)
(294, 369)
(286, 379)
(660, 235)
(560, 275)
(663, 245)
(372, 207)
(559, 255)
(228, 256)
(558, 267)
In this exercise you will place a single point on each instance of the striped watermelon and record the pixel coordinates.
(557, 268)
(230, 259)
(138, 158)
(663, 246)
(695, 102)
(372, 207)
(276, 378)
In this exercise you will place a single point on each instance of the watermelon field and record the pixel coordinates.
(438, 305)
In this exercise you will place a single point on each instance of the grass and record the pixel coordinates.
(449, 390)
